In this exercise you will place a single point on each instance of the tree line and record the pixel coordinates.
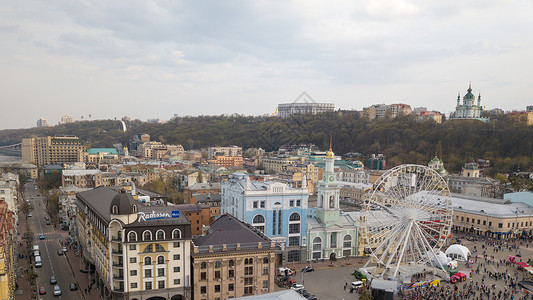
(508, 145)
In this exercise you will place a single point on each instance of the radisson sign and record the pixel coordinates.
(142, 216)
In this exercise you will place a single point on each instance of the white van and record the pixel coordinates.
(38, 262)
(35, 247)
(357, 284)
(36, 253)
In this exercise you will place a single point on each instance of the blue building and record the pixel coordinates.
(274, 208)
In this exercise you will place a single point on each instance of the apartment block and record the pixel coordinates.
(52, 150)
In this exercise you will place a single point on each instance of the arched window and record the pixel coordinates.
(160, 235)
(217, 264)
(203, 265)
(332, 201)
(147, 261)
(134, 208)
(259, 219)
(160, 259)
(115, 210)
(147, 235)
(265, 260)
(176, 234)
(347, 241)
(248, 261)
(159, 248)
(231, 263)
(317, 248)
(294, 217)
(321, 203)
(149, 249)
(132, 236)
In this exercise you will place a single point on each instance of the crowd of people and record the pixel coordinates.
(492, 277)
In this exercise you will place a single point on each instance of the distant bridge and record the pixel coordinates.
(11, 150)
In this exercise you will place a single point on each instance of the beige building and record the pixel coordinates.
(81, 178)
(273, 165)
(138, 251)
(232, 260)
(67, 119)
(226, 161)
(52, 150)
(522, 117)
(494, 218)
(223, 151)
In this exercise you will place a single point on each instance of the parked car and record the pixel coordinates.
(308, 269)
(286, 271)
(41, 236)
(59, 252)
(289, 282)
(297, 286)
(357, 284)
(53, 280)
(306, 294)
(73, 286)
(48, 223)
(64, 249)
(57, 290)
(42, 290)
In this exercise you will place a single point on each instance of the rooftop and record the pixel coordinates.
(93, 151)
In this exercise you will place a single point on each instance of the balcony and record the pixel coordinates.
(120, 290)
(118, 265)
(116, 239)
(118, 277)
(117, 252)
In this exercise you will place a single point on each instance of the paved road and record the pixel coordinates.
(53, 264)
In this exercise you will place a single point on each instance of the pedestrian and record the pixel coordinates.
(345, 285)
(85, 291)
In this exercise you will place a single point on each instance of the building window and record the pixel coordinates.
(147, 261)
(217, 264)
(293, 255)
(132, 236)
(262, 204)
(248, 290)
(259, 222)
(462, 219)
(298, 203)
(176, 281)
(161, 284)
(291, 203)
(176, 244)
(249, 270)
(203, 276)
(176, 269)
(274, 222)
(160, 272)
(265, 284)
(248, 261)
(294, 240)
(500, 225)
(148, 249)
(265, 270)
(159, 248)
(294, 228)
(133, 260)
(317, 248)
(347, 242)
(490, 223)
(203, 289)
(160, 259)
(133, 285)
(160, 235)
(217, 288)
(133, 247)
(484, 222)
(467, 220)
(147, 236)
(176, 234)
(266, 260)
(217, 274)
(231, 273)
(133, 272)
(177, 257)
(148, 273)
(203, 265)
(508, 225)
(231, 287)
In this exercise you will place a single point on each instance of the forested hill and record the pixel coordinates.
(403, 140)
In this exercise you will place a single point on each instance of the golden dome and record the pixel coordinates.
(330, 154)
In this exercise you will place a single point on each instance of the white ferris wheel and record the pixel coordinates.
(406, 221)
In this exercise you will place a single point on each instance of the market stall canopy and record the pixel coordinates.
(457, 251)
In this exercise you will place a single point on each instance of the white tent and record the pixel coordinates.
(457, 251)
(440, 257)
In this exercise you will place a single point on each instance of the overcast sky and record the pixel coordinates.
(155, 59)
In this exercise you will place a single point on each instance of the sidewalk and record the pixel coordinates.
(24, 290)
(82, 279)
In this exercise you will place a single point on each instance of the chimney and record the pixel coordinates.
(224, 248)
(210, 248)
(238, 246)
(259, 245)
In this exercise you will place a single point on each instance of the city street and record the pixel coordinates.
(65, 268)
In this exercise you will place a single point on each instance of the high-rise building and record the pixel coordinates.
(52, 150)
(67, 119)
(42, 122)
